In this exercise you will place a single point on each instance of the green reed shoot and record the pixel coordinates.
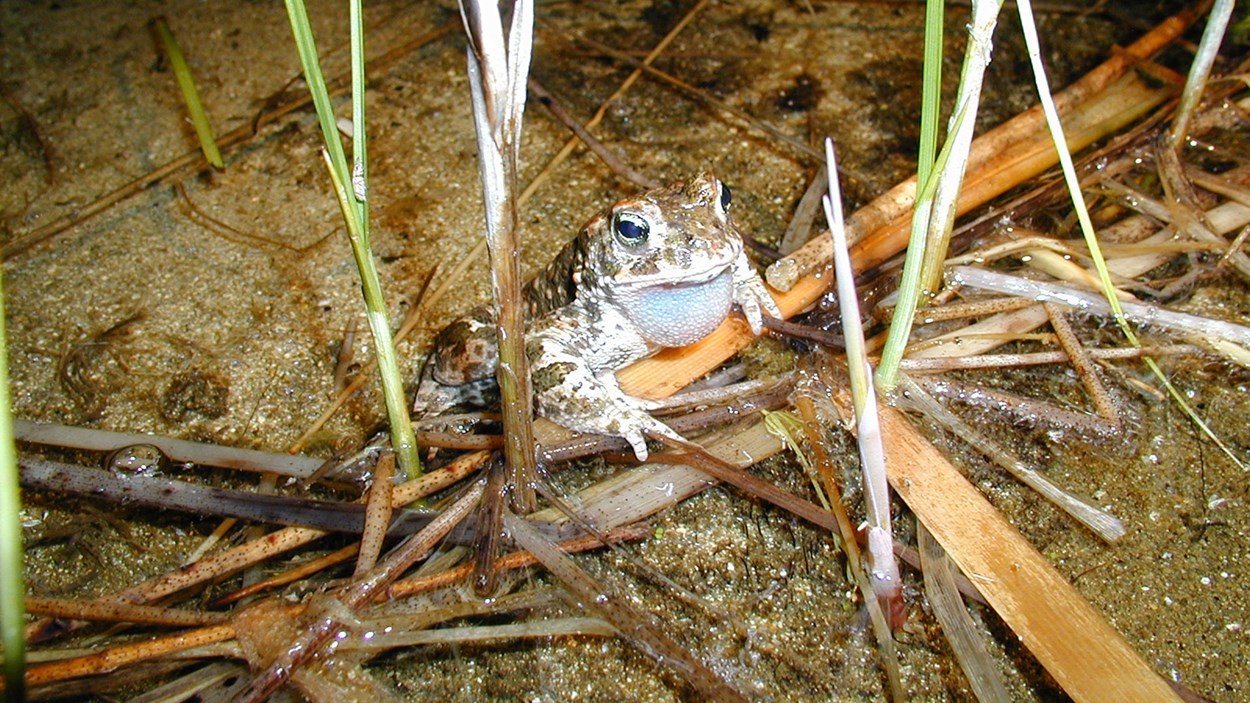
(351, 187)
(12, 583)
(182, 72)
(938, 183)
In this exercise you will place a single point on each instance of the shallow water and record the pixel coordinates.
(213, 305)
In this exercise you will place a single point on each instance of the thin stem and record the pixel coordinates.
(356, 215)
(884, 576)
(931, 90)
(1199, 69)
(190, 94)
(360, 153)
(403, 440)
(497, 82)
(12, 584)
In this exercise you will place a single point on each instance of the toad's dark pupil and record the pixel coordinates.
(725, 196)
(631, 229)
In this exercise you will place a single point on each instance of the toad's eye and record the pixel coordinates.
(725, 197)
(631, 229)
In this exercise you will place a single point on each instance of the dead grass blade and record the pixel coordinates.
(637, 628)
(965, 638)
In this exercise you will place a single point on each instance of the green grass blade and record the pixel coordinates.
(307, 47)
(1200, 69)
(938, 191)
(403, 440)
(930, 113)
(931, 89)
(12, 583)
(360, 154)
(191, 95)
(350, 187)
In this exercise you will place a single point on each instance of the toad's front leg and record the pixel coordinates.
(569, 391)
(752, 295)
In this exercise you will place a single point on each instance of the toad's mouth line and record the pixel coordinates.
(688, 279)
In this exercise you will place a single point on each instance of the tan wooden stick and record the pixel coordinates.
(1101, 103)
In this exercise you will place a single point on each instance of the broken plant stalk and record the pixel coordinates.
(884, 576)
(497, 80)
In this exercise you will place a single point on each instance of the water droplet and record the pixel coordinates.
(139, 459)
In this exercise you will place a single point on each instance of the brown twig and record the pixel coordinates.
(358, 594)
(706, 98)
(611, 160)
(126, 654)
(378, 512)
(805, 213)
(235, 235)
(289, 576)
(721, 470)
(112, 611)
(514, 560)
(1081, 363)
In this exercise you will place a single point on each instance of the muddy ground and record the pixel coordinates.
(212, 305)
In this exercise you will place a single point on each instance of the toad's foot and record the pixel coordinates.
(752, 295)
(602, 408)
(569, 392)
(636, 435)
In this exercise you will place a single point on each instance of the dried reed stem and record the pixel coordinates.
(497, 80)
